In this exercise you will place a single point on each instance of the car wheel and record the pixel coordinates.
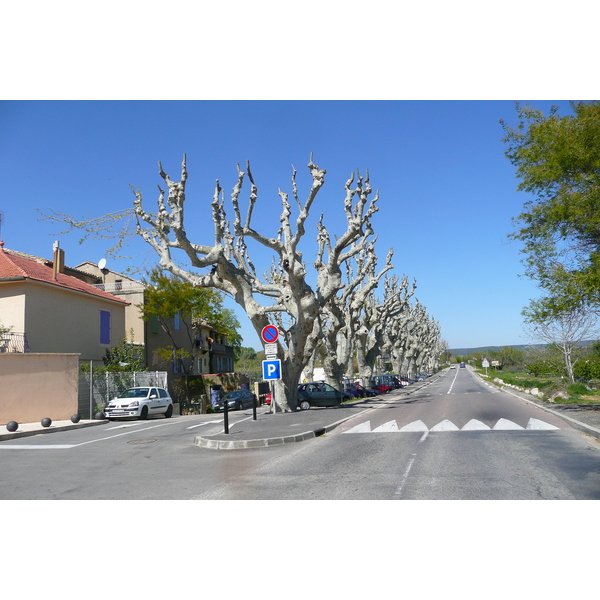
(304, 405)
(169, 412)
(240, 406)
(144, 413)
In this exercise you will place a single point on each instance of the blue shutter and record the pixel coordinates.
(105, 327)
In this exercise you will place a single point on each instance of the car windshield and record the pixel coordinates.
(137, 393)
(232, 395)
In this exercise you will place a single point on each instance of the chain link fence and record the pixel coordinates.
(97, 388)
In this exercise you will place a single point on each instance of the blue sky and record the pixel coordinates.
(447, 192)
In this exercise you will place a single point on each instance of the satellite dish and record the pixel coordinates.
(102, 263)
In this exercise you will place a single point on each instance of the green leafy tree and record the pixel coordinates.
(558, 160)
(126, 357)
(168, 298)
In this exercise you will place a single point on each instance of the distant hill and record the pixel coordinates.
(468, 351)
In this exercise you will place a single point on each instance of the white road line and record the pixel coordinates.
(123, 426)
(405, 476)
(205, 423)
(110, 437)
(32, 447)
(453, 381)
(67, 446)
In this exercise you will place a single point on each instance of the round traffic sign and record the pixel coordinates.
(269, 334)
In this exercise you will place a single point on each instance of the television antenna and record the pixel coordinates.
(1, 216)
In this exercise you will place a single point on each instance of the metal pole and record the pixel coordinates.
(254, 407)
(91, 387)
(225, 416)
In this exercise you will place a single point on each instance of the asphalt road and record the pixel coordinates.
(456, 438)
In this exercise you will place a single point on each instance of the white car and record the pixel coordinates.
(140, 402)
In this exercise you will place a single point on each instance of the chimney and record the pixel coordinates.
(58, 264)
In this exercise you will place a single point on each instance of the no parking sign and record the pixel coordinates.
(269, 334)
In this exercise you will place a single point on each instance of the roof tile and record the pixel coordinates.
(18, 265)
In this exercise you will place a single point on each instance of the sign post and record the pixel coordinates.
(271, 366)
(485, 363)
(271, 372)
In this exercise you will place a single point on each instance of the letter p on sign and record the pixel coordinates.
(271, 369)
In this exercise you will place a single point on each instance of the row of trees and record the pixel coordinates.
(557, 159)
(330, 304)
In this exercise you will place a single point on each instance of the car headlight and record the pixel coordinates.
(134, 404)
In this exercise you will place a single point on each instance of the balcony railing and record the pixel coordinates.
(120, 286)
(222, 349)
(14, 342)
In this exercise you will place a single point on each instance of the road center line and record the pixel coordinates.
(452, 385)
(405, 476)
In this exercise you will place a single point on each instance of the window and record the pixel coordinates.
(105, 327)
(178, 366)
(177, 320)
(154, 324)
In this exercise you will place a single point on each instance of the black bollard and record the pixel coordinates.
(225, 416)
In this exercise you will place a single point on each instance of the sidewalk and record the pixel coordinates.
(28, 429)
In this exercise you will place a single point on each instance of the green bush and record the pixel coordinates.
(577, 389)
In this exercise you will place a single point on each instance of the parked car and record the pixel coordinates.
(320, 394)
(237, 400)
(140, 403)
(358, 391)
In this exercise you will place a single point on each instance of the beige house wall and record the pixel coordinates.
(12, 310)
(36, 386)
(127, 289)
(61, 320)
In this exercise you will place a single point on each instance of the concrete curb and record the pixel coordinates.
(574, 422)
(52, 429)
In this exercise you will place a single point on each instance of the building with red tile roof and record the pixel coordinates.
(57, 312)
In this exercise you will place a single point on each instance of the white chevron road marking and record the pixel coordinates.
(415, 426)
(506, 425)
(360, 428)
(475, 425)
(389, 426)
(447, 425)
(537, 424)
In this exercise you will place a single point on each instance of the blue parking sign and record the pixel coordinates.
(271, 369)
